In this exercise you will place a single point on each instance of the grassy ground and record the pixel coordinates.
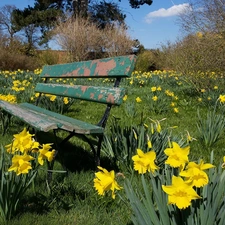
(72, 199)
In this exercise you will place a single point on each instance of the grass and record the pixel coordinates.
(72, 198)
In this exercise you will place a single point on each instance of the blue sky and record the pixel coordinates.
(151, 25)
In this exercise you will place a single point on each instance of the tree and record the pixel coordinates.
(34, 24)
(106, 13)
(46, 12)
(137, 3)
(6, 20)
(204, 16)
(204, 43)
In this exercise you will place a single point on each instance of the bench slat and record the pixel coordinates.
(107, 67)
(45, 120)
(34, 120)
(105, 95)
(65, 122)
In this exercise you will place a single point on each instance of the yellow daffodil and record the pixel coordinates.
(66, 100)
(222, 98)
(21, 164)
(159, 88)
(37, 94)
(138, 99)
(180, 193)
(52, 98)
(177, 156)
(176, 110)
(223, 165)
(105, 181)
(125, 98)
(149, 143)
(155, 98)
(195, 175)
(153, 89)
(44, 153)
(144, 162)
(22, 142)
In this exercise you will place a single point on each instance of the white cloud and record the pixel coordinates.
(172, 11)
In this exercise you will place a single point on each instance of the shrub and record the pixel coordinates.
(83, 39)
(147, 61)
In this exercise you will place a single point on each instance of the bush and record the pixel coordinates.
(147, 61)
(12, 61)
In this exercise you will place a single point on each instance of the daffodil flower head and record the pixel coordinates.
(195, 175)
(45, 153)
(180, 193)
(223, 165)
(21, 164)
(177, 156)
(22, 142)
(105, 181)
(144, 162)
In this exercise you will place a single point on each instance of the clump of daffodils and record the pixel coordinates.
(25, 150)
(188, 175)
(8, 98)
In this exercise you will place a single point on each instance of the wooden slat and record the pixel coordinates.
(105, 95)
(37, 121)
(107, 67)
(64, 122)
(45, 120)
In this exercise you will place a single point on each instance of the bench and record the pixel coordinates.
(41, 119)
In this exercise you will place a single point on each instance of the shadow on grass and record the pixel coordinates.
(75, 155)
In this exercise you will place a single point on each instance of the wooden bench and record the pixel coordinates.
(41, 119)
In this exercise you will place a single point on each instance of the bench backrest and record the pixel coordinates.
(116, 67)
(121, 66)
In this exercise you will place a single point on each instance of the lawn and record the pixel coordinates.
(160, 108)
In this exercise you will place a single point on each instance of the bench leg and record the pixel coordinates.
(97, 156)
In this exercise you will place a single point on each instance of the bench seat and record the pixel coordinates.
(45, 120)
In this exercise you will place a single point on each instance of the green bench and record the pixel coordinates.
(44, 120)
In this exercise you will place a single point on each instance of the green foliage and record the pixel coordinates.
(121, 143)
(211, 128)
(74, 194)
(146, 61)
(13, 187)
(48, 57)
(56, 103)
(149, 206)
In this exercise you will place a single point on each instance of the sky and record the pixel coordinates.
(152, 25)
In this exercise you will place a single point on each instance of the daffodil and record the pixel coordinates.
(176, 110)
(180, 193)
(21, 164)
(44, 153)
(125, 98)
(105, 181)
(195, 175)
(138, 99)
(144, 162)
(222, 98)
(66, 100)
(153, 89)
(177, 156)
(22, 142)
(223, 165)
